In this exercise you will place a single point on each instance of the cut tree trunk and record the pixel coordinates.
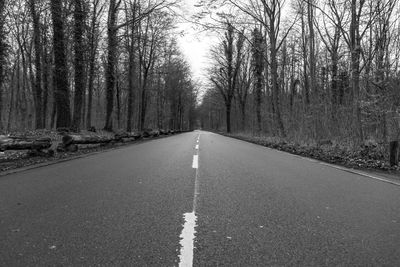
(394, 153)
(155, 133)
(77, 139)
(70, 142)
(127, 135)
(13, 143)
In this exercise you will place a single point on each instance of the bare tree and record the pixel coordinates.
(60, 67)
(228, 63)
(79, 48)
(3, 48)
(93, 38)
(112, 46)
(37, 84)
(258, 68)
(132, 30)
(243, 88)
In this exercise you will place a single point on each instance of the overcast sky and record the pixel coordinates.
(195, 45)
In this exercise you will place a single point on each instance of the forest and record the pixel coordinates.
(304, 69)
(93, 64)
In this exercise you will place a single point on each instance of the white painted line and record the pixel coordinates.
(360, 173)
(353, 171)
(196, 191)
(189, 233)
(187, 240)
(195, 164)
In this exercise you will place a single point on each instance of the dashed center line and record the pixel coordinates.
(195, 164)
(188, 233)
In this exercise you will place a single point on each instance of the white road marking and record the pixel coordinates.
(353, 171)
(196, 191)
(187, 240)
(189, 233)
(195, 164)
(360, 173)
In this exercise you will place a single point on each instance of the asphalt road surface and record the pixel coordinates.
(253, 207)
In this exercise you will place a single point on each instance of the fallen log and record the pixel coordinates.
(145, 133)
(127, 135)
(69, 148)
(12, 143)
(155, 133)
(77, 139)
(163, 132)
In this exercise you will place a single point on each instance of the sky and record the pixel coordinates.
(194, 44)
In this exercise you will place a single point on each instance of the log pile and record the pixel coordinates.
(127, 136)
(70, 142)
(146, 133)
(163, 132)
(154, 133)
(39, 146)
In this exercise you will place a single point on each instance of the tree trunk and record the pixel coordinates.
(79, 18)
(228, 107)
(60, 67)
(46, 79)
(111, 62)
(2, 57)
(258, 69)
(90, 93)
(394, 153)
(92, 65)
(334, 83)
(131, 92)
(274, 79)
(13, 81)
(355, 47)
(306, 87)
(243, 117)
(132, 70)
(313, 75)
(143, 108)
(118, 105)
(37, 83)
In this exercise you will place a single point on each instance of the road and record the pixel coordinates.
(250, 206)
